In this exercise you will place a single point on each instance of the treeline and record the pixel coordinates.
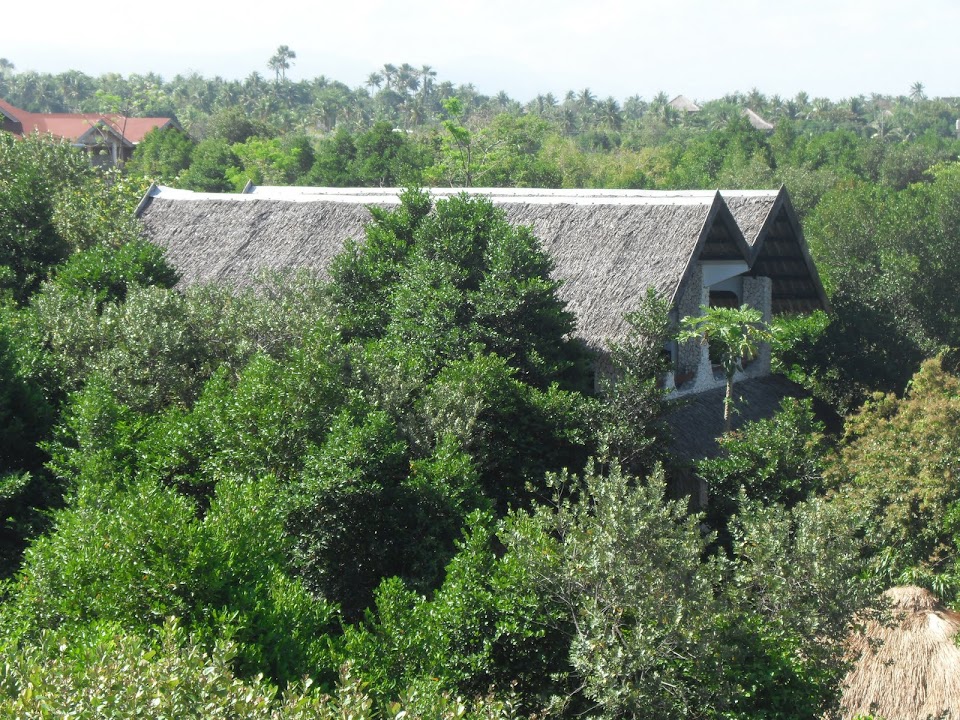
(321, 131)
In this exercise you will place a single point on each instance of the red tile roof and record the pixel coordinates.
(74, 126)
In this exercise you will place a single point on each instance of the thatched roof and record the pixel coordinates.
(697, 420)
(684, 104)
(609, 247)
(772, 229)
(908, 667)
(756, 121)
(230, 239)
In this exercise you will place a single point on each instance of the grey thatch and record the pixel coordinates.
(609, 246)
(756, 121)
(772, 229)
(230, 239)
(684, 104)
(697, 420)
(909, 667)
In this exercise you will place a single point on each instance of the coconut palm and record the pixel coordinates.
(374, 80)
(917, 93)
(280, 62)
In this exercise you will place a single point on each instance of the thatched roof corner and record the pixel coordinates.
(908, 666)
(779, 250)
(684, 104)
(145, 200)
(756, 121)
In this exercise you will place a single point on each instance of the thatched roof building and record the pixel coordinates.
(609, 246)
(909, 667)
(684, 104)
(756, 121)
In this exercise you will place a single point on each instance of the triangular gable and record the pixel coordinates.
(98, 132)
(718, 220)
(780, 252)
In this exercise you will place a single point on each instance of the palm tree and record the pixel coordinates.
(585, 99)
(407, 80)
(427, 75)
(736, 333)
(634, 107)
(6, 67)
(756, 100)
(374, 80)
(389, 75)
(280, 62)
(917, 93)
(610, 114)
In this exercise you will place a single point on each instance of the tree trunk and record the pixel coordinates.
(728, 406)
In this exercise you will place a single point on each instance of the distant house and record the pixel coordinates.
(609, 246)
(684, 104)
(110, 139)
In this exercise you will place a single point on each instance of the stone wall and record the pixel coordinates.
(694, 295)
(758, 293)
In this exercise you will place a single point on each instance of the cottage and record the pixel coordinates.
(109, 139)
(693, 247)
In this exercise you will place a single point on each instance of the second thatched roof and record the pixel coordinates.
(909, 666)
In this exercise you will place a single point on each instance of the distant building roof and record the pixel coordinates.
(683, 103)
(758, 122)
(83, 127)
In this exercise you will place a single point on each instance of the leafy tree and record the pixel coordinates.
(441, 283)
(108, 274)
(625, 564)
(162, 155)
(33, 171)
(26, 490)
(459, 150)
(233, 125)
(333, 162)
(384, 157)
(211, 162)
(278, 161)
(366, 511)
(633, 396)
(772, 461)
(795, 580)
(896, 474)
(489, 627)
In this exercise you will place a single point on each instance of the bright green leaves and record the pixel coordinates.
(459, 279)
(734, 334)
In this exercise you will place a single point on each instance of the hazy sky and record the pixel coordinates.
(700, 48)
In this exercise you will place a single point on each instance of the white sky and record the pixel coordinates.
(700, 48)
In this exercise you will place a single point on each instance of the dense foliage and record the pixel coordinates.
(398, 492)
